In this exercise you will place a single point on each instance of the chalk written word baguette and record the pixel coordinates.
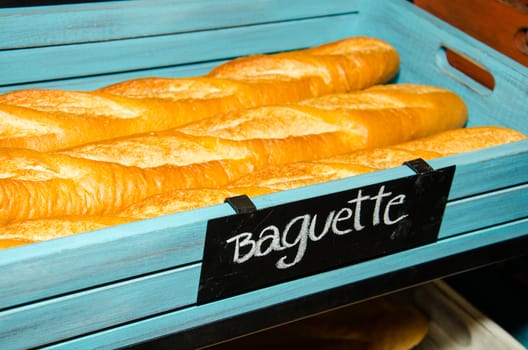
(47, 120)
(272, 179)
(101, 178)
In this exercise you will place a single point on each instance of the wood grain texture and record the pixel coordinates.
(187, 318)
(485, 210)
(96, 58)
(117, 20)
(117, 253)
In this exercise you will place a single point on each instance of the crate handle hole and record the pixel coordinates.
(465, 70)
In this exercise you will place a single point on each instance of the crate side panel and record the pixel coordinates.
(78, 60)
(100, 308)
(490, 209)
(55, 267)
(182, 320)
(98, 81)
(80, 313)
(115, 20)
(487, 169)
(93, 258)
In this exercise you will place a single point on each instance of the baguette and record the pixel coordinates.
(276, 178)
(296, 174)
(344, 65)
(103, 177)
(311, 129)
(48, 120)
(447, 143)
(41, 185)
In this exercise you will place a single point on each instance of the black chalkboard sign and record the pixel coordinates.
(259, 248)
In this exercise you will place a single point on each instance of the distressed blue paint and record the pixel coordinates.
(134, 18)
(196, 315)
(67, 287)
(71, 61)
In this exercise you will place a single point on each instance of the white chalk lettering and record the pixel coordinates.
(342, 215)
(273, 237)
(294, 237)
(377, 207)
(357, 210)
(312, 235)
(301, 240)
(400, 199)
(242, 240)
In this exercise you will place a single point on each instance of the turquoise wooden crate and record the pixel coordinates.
(136, 282)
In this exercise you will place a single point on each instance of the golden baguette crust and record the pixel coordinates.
(277, 178)
(380, 115)
(37, 185)
(311, 129)
(46, 229)
(297, 174)
(15, 242)
(344, 65)
(189, 99)
(154, 104)
(207, 96)
(181, 200)
(46, 120)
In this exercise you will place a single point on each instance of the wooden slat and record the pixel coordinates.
(190, 317)
(98, 81)
(113, 20)
(95, 258)
(78, 60)
(486, 170)
(99, 308)
(489, 209)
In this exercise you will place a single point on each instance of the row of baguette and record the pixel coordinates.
(78, 161)
(48, 120)
(269, 179)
